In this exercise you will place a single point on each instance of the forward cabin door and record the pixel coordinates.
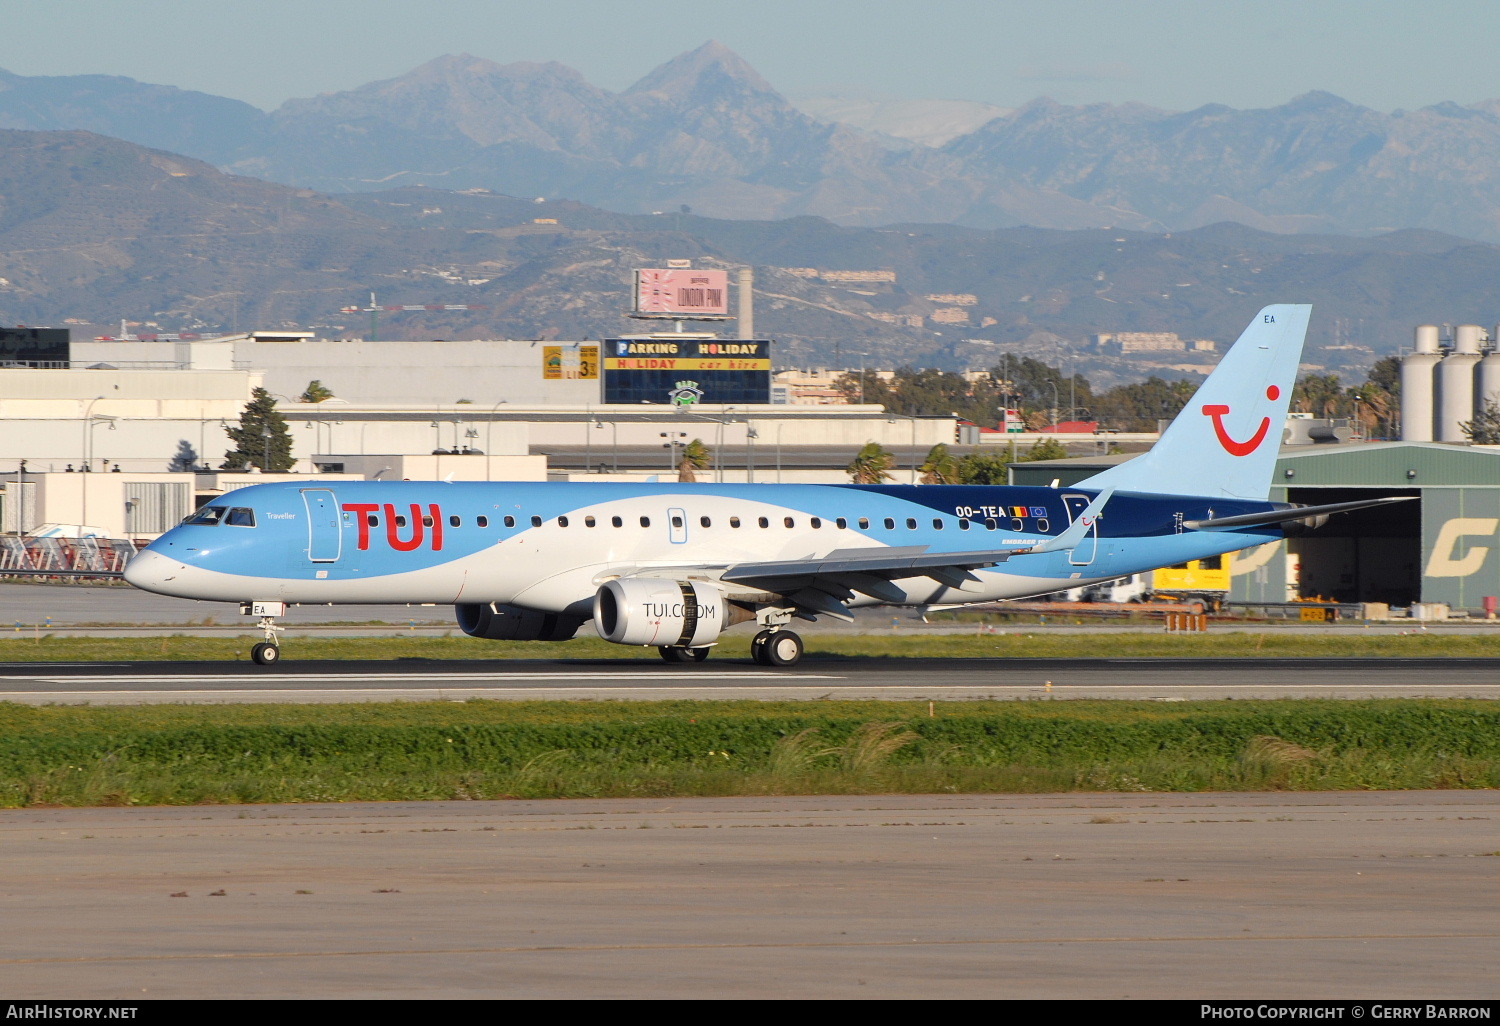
(325, 540)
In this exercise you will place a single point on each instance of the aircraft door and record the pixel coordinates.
(1084, 552)
(677, 525)
(325, 539)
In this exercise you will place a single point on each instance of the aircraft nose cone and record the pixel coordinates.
(151, 571)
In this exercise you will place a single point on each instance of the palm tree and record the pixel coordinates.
(872, 465)
(695, 457)
(940, 467)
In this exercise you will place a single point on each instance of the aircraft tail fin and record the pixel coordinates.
(1225, 441)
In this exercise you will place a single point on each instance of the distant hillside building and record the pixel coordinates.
(1123, 342)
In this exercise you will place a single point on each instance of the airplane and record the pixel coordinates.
(674, 565)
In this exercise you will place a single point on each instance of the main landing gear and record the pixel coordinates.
(776, 647)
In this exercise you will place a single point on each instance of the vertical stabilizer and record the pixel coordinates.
(1225, 441)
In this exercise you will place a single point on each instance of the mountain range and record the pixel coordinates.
(93, 229)
(706, 132)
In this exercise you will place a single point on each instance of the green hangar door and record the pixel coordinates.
(1370, 555)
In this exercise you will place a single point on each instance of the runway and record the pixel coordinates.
(1368, 896)
(816, 677)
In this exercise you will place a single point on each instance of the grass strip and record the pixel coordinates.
(1019, 644)
(180, 755)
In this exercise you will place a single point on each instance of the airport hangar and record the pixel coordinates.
(1443, 549)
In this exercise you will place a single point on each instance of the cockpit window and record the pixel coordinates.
(208, 515)
(240, 516)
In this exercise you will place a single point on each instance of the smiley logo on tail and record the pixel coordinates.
(1231, 446)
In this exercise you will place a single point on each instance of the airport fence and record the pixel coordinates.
(65, 557)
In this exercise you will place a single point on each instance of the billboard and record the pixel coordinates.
(679, 292)
(34, 346)
(659, 370)
(570, 362)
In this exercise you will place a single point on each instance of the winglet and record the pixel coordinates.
(1079, 528)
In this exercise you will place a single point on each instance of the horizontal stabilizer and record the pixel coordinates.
(1281, 516)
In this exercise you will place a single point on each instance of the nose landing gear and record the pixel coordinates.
(268, 652)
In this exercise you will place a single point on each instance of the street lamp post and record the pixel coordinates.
(673, 440)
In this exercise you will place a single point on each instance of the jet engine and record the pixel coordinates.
(656, 611)
(507, 623)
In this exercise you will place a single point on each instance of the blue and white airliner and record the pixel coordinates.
(675, 565)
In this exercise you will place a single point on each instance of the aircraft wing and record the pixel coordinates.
(824, 584)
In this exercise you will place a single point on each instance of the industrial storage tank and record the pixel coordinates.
(1417, 406)
(1487, 381)
(1455, 383)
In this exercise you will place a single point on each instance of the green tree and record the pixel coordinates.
(986, 468)
(261, 438)
(940, 466)
(1046, 449)
(872, 465)
(1139, 405)
(695, 457)
(1322, 396)
(1485, 428)
(315, 392)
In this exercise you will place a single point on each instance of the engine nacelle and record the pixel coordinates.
(507, 623)
(656, 611)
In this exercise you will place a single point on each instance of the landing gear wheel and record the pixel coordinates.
(679, 654)
(758, 648)
(783, 648)
(265, 653)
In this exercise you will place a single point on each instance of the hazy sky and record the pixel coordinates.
(1177, 54)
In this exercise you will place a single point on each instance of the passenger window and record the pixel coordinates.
(676, 521)
(373, 520)
(937, 525)
(1017, 524)
(815, 523)
(208, 515)
(562, 521)
(588, 521)
(841, 523)
(911, 523)
(454, 521)
(427, 521)
(240, 516)
(705, 522)
(864, 523)
(645, 521)
(991, 524)
(963, 523)
(789, 522)
(890, 525)
(616, 522)
(734, 521)
(1041, 525)
(481, 521)
(536, 521)
(510, 521)
(764, 522)
(400, 520)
